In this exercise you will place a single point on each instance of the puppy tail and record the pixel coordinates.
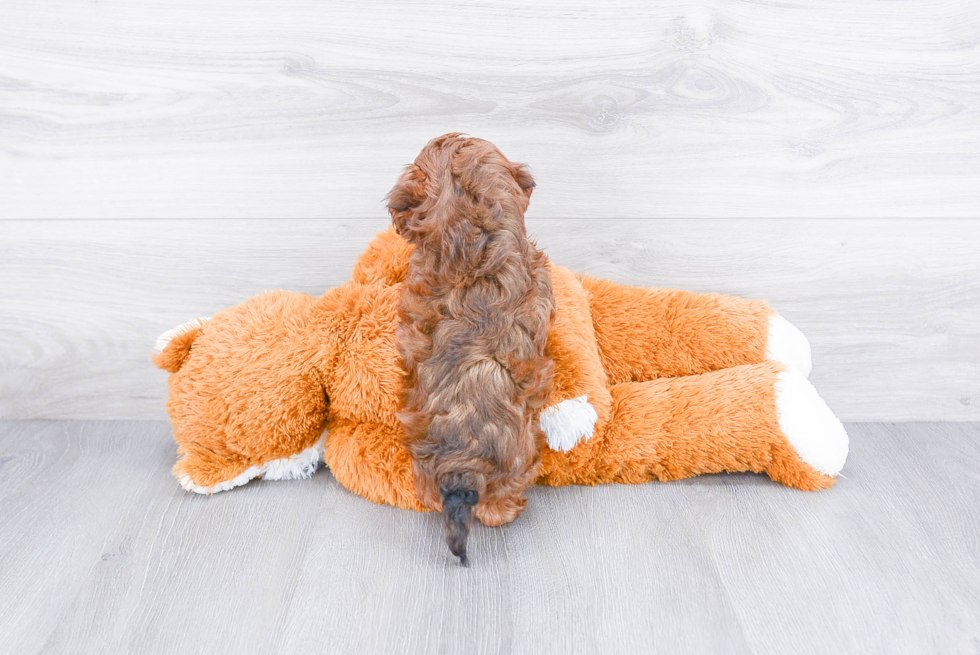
(457, 513)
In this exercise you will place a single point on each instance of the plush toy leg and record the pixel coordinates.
(645, 334)
(763, 418)
(370, 460)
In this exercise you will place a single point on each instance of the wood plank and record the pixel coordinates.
(623, 109)
(885, 561)
(892, 308)
(196, 573)
(65, 489)
(607, 570)
(100, 551)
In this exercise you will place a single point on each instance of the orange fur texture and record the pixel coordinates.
(679, 381)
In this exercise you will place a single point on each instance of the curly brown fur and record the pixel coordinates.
(474, 316)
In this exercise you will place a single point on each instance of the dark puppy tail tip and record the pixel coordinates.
(457, 513)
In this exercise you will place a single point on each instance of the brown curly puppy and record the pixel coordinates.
(474, 316)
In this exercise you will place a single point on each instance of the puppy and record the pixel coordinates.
(474, 315)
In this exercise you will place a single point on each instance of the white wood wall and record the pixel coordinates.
(177, 143)
(308, 108)
(892, 308)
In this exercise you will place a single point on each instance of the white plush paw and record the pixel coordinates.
(808, 424)
(786, 344)
(300, 466)
(568, 422)
(248, 474)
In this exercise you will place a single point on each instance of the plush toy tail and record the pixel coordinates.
(457, 513)
(174, 345)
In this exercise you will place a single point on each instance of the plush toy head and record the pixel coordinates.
(243, 391)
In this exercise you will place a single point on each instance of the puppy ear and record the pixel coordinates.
(407, 194)
(524, 179)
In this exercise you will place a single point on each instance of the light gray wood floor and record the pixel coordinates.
(100, 551)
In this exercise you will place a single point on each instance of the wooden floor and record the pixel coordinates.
(100, 551)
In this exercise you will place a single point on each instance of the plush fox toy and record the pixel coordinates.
(650, 384)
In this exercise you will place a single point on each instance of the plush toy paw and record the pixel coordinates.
(787, 345)
(808, 424)
(568, 422)
(299, 466)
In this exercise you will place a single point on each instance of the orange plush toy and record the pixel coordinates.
(651, 384)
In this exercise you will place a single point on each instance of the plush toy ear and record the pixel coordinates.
(407, 194)
(524, 179)
(173, 346)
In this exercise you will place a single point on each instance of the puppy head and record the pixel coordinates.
(455, 179)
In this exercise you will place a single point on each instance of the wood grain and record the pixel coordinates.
(892, 308)
(302, 108)
(892, 529)
(70, 493)
(101, 552)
